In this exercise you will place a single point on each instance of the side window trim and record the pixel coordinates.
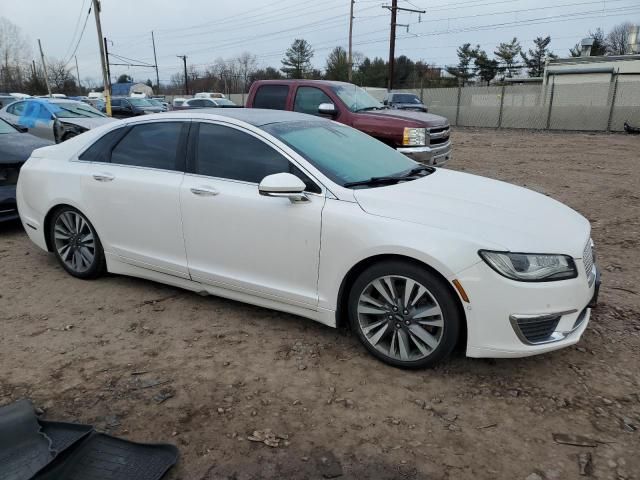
(193, 148)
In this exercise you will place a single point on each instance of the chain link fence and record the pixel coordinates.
(593, 106)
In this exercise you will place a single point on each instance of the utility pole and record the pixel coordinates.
(351, 41)
(101, 43)
(78, 74)
(186, 80)
(392, 37)
(44, 66)
(106, 58)
(155, 59)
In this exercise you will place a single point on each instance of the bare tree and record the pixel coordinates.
(14, 55)
(60, 77)
(618, 39)
(246, 64)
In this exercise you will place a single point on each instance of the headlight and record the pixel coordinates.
(414, 137)
(530, 267)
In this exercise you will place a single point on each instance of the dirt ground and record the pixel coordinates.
(153, 363)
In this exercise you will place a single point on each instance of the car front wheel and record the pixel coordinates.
(76, 244)
(404, 314)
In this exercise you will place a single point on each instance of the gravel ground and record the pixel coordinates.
(153, 363)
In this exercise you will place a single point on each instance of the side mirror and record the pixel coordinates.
(283, 185)
(327, 109)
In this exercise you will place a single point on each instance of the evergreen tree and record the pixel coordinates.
(337, 65)
(462, 71)
(535, 59)
(297, 59)
(507, 53)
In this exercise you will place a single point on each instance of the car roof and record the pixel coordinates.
(288, 81)
(253, 116)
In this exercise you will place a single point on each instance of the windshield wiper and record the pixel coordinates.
(416, 170)
(366, 109)
(390, 179)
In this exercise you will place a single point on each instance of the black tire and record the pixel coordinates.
(87, 270)
(437, 293)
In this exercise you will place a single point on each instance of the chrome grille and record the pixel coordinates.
(587, 259)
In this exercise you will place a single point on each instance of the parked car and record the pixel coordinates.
(415, 258)
(177, 103)
(123, 107)
(6, 99)
(422, 136)
(53, 119)
(209, 95)
(206, 103)
(157, 103)
(15, 147)
(404, 101)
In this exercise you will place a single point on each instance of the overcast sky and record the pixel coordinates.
(207, 29)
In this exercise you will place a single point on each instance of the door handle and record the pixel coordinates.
(103, 177)
(204, 191)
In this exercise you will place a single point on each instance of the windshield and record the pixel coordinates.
(223, 101)
(6, 128)
(355, 98)
(343, 154)
(155, 102)
(405, 98)
(74, 110)
(140, 102)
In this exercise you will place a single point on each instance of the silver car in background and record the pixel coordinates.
(52, 118)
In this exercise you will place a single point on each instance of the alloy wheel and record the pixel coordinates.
(75, 241)
(400, 318)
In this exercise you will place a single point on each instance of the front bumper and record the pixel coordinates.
(8, 205)
(506, 318)
(436, 155)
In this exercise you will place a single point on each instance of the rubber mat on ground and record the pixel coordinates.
(62, 435)
(24, 450)
(102, 457)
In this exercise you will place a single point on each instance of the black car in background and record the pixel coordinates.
(404, 101)
(122, 107)
(15, 148)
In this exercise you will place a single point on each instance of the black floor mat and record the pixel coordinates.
(23, 449)
(44, 450)
(63, 435)
(102, 457)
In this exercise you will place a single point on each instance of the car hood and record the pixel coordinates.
(17, 147)
(427, 119)
(88, 123)
(489, 213)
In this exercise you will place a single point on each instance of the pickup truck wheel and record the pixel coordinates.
(404, 314)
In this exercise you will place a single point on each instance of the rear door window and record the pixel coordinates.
(273, 97)
(151, 145)
(100, 151)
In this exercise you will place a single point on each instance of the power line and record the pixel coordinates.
(80, 37)
(75, 29)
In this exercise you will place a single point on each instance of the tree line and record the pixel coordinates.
(20, 73)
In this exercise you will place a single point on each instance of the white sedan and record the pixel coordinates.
(308, 216)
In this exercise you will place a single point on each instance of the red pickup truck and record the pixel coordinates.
(421, 136)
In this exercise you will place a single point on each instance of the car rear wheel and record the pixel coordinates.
(404, 314)
(76, 244)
